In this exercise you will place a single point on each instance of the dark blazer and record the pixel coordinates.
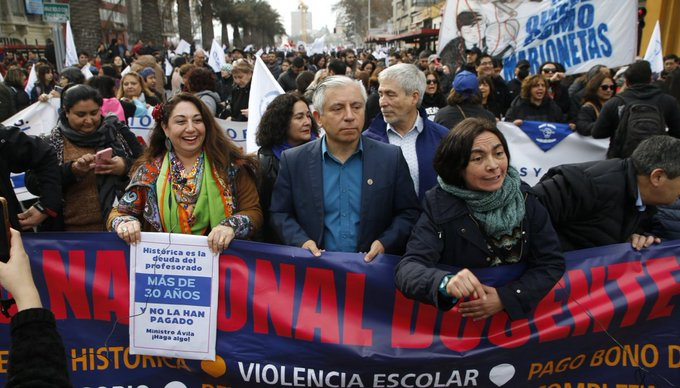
(389, 205)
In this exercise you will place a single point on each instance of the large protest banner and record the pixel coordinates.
(288, 319)
(576, 33)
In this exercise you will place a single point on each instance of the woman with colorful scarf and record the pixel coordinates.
(90, 186)
(192, 179)
(480, 215)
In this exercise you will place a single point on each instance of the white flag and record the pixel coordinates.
(168, 68)
(86, 71)
(259, 53)
(263, 89)
(32, 78)
(126, 70)
(71, 57)
(318, 46)
(216, 60)
(654, 55)
(183, 47)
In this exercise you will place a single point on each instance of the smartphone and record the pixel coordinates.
(4, 230)
(103, 155)
(59, 89)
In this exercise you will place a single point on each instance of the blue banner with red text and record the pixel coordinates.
(286, 319)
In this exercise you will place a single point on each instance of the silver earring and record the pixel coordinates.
(168, 144)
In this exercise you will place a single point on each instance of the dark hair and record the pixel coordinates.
(590, 91)
(460, 98)
(83, 52)
(110, 70)
(638, 73)
(77, 93)
(660, 151)
(482, 56)
(200, 79)
(220, 150)
(670, 56)
(453, 153)
(73, 75)
(488, 81)
(529, 82)
(41, 70)
(338, 67)
(303, 80)
(363, 65)
(15, 77)
(104, 84)
(275, 121)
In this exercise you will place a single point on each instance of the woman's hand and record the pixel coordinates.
(113, 166)
(43, 97)
(482, 308)
(130, 231)
(220, 237)
(465, 284)
(83, 165)
(518, 122)
(31, 218)
(16, 278)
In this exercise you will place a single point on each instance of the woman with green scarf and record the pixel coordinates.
(192, 179)
(479, 215)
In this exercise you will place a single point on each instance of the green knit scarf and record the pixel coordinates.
(499, 212)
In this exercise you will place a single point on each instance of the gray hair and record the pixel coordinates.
(660, 151)
(332, 82)
(408, 76)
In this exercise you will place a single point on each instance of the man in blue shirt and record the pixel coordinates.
(344, 193)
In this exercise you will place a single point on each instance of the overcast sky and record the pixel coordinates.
(320, 9)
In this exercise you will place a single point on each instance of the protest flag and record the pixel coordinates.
(71, 52)
(263, 89)
(654, 54)
(32, 78)
(216, 60)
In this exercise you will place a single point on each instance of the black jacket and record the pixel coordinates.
(447, 234)
(20, 152)
(267, 171)
(608, 121)
(523, 109)
(450, 115)
(239, 100)
(593, 204)
(37, 357)
(585, 120)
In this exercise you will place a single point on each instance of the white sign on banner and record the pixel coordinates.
(235, 130)
(173, 296)
(532, 162)
(576, 34)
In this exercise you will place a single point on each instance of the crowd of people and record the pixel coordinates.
(400, 156)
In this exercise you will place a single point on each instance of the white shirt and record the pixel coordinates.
(407, 143)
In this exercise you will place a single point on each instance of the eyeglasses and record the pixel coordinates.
(607, 87)
(486, 63)
(431, 81)
(549, 70)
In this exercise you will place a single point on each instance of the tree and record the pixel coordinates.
(85, 25)
(206, 12)
(354, 16)
(184, 20)
(152, 29)
(258, 20)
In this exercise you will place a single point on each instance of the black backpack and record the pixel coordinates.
(638, 120)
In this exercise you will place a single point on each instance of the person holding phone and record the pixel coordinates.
(37, 357)
(95, 154)
(20, 152)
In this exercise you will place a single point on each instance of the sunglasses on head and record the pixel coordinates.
(607, 87)
(431, 81)
(549, 70)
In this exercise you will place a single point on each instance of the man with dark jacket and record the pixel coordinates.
(20, 152)
(403, 123)
(612, 201)
(7, 107)
(638, 90)
(287, 79)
